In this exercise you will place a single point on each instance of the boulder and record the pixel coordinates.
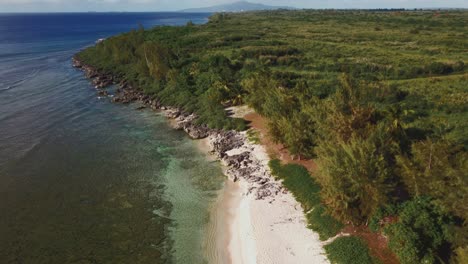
(267, 190)
(173, 113)
(103, 93)
(197, 132)
(237, 161)
(225, 141)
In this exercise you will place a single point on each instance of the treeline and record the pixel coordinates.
(369, 160)
(385, 118)
(205, 86)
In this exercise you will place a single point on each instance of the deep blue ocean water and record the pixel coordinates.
(83, 180)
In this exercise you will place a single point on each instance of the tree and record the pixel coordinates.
(157, 59)
(437, 168)
(356, 149)
(356, 176)
(421, 232)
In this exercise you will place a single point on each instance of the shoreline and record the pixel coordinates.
(271, 228)
(265, 223)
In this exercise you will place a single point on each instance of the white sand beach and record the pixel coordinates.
(270, 230)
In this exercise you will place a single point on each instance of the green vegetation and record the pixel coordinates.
(437, 169)
(357, 139)
(421, 233)
(253, 136)
(348, 250)
(379, 99)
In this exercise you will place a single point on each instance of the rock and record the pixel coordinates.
(247, 174)
(91, 74)
(155, 104)
(116, 99)
(237, 161)
(172, 113)
(233, 177)
(262, 193)
(103, 93)
(251, 190)
(262, 181)
(76, 63)
(197, 132)
(145, 98)
(102, 82)
(267, 190)
(140, 107)
(226, 140)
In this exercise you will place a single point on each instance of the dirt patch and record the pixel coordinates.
(377, 243)
(275, 150)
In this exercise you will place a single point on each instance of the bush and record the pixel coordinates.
(356, 149)
(355, 177)
(440, 68)
(377, 221)
(437, 169)
(323, 223)
(421, 233)
(348, 250)
(461, 255)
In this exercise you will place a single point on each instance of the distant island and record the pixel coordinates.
(240, 6)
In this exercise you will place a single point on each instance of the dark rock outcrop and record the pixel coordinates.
(225, 141)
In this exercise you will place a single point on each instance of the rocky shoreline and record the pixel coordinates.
(232, 148)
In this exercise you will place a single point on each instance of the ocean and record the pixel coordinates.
(83, 180)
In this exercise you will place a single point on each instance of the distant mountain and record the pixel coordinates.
(241, 6)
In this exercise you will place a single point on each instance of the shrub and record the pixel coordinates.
(348, 250)
(440, 68)
(355, 177)
(323, 223)
(253, 136)
(437, 169)
(461, 255)
(377, 221)
(421, 233)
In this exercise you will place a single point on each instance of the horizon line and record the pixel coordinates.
(182, 11)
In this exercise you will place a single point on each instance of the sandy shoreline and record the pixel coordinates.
(256, 220)
(250, 230)
(272, 230)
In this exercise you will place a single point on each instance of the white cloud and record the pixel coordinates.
(158, 5)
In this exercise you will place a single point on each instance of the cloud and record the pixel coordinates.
(165, 5)
(20, 2)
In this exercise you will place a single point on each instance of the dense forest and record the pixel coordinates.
(378, 99)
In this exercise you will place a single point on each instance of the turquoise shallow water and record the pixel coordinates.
(83, 180)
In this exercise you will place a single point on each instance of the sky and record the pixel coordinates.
(173, 5)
